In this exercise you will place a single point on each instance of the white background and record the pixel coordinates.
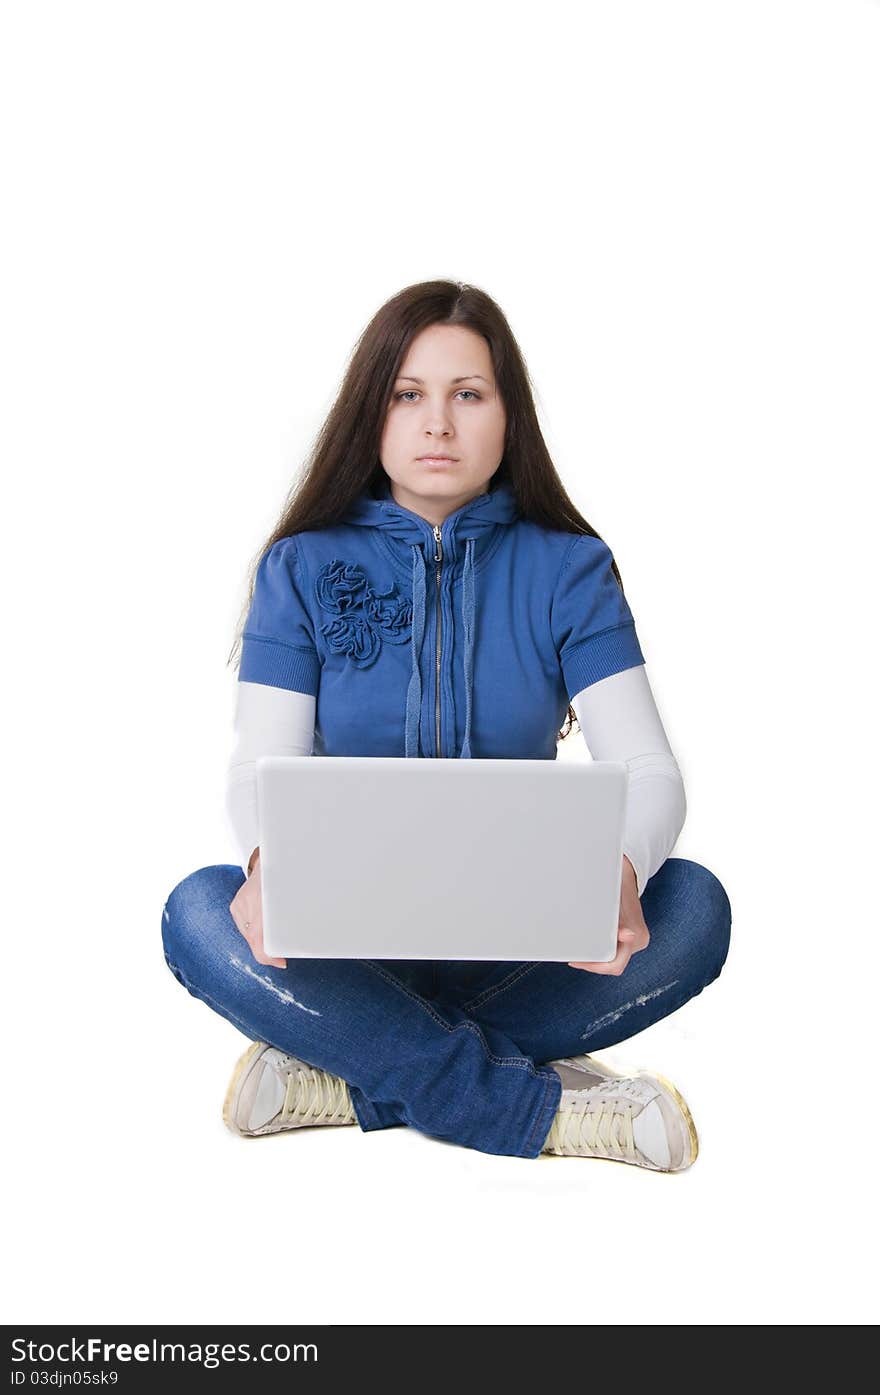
(676, 205)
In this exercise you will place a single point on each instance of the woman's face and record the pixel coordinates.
(444, 402)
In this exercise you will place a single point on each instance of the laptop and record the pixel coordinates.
(393, 858)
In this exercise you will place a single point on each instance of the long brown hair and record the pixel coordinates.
(344, 459)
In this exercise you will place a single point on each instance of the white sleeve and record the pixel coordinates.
(269, 721)
(619, 721)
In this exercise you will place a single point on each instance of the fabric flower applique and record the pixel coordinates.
(363, 614)
(339, 586)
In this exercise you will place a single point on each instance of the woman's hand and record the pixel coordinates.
(632, 932)
(246, 909)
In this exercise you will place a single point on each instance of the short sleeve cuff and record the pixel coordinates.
(279, 665)
(610, 651)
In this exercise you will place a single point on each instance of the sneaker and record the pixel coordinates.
(270, 1091)
(640, 1119)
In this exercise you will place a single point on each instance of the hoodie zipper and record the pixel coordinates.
(438, 558)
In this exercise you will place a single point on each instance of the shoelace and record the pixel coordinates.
(600, 1129)
(304, 1097)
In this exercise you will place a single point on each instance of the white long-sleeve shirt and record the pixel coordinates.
(618, 718)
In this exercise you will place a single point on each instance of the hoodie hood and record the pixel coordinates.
(464, 535)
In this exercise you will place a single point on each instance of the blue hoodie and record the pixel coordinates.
(464, 640)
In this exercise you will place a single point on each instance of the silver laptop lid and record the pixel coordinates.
(389, 858)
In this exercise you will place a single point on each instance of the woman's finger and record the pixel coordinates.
(638, 939)
(258, 949)
(627, 937)
(614, 966)
(275, 963)
(262, 958)
(635, 937)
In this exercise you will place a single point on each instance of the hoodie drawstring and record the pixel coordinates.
(414, 691)
(468, 617)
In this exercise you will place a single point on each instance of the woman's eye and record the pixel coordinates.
(407, 392)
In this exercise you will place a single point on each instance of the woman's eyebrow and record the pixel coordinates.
(405, 378)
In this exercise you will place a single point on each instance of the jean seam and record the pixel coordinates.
(497, 988)
(397, 983)
(543, 1111)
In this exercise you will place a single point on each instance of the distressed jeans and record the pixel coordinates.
(457, 1049)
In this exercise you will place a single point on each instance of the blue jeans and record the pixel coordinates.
(454, 1048)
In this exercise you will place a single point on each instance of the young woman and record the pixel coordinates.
(431, 591)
